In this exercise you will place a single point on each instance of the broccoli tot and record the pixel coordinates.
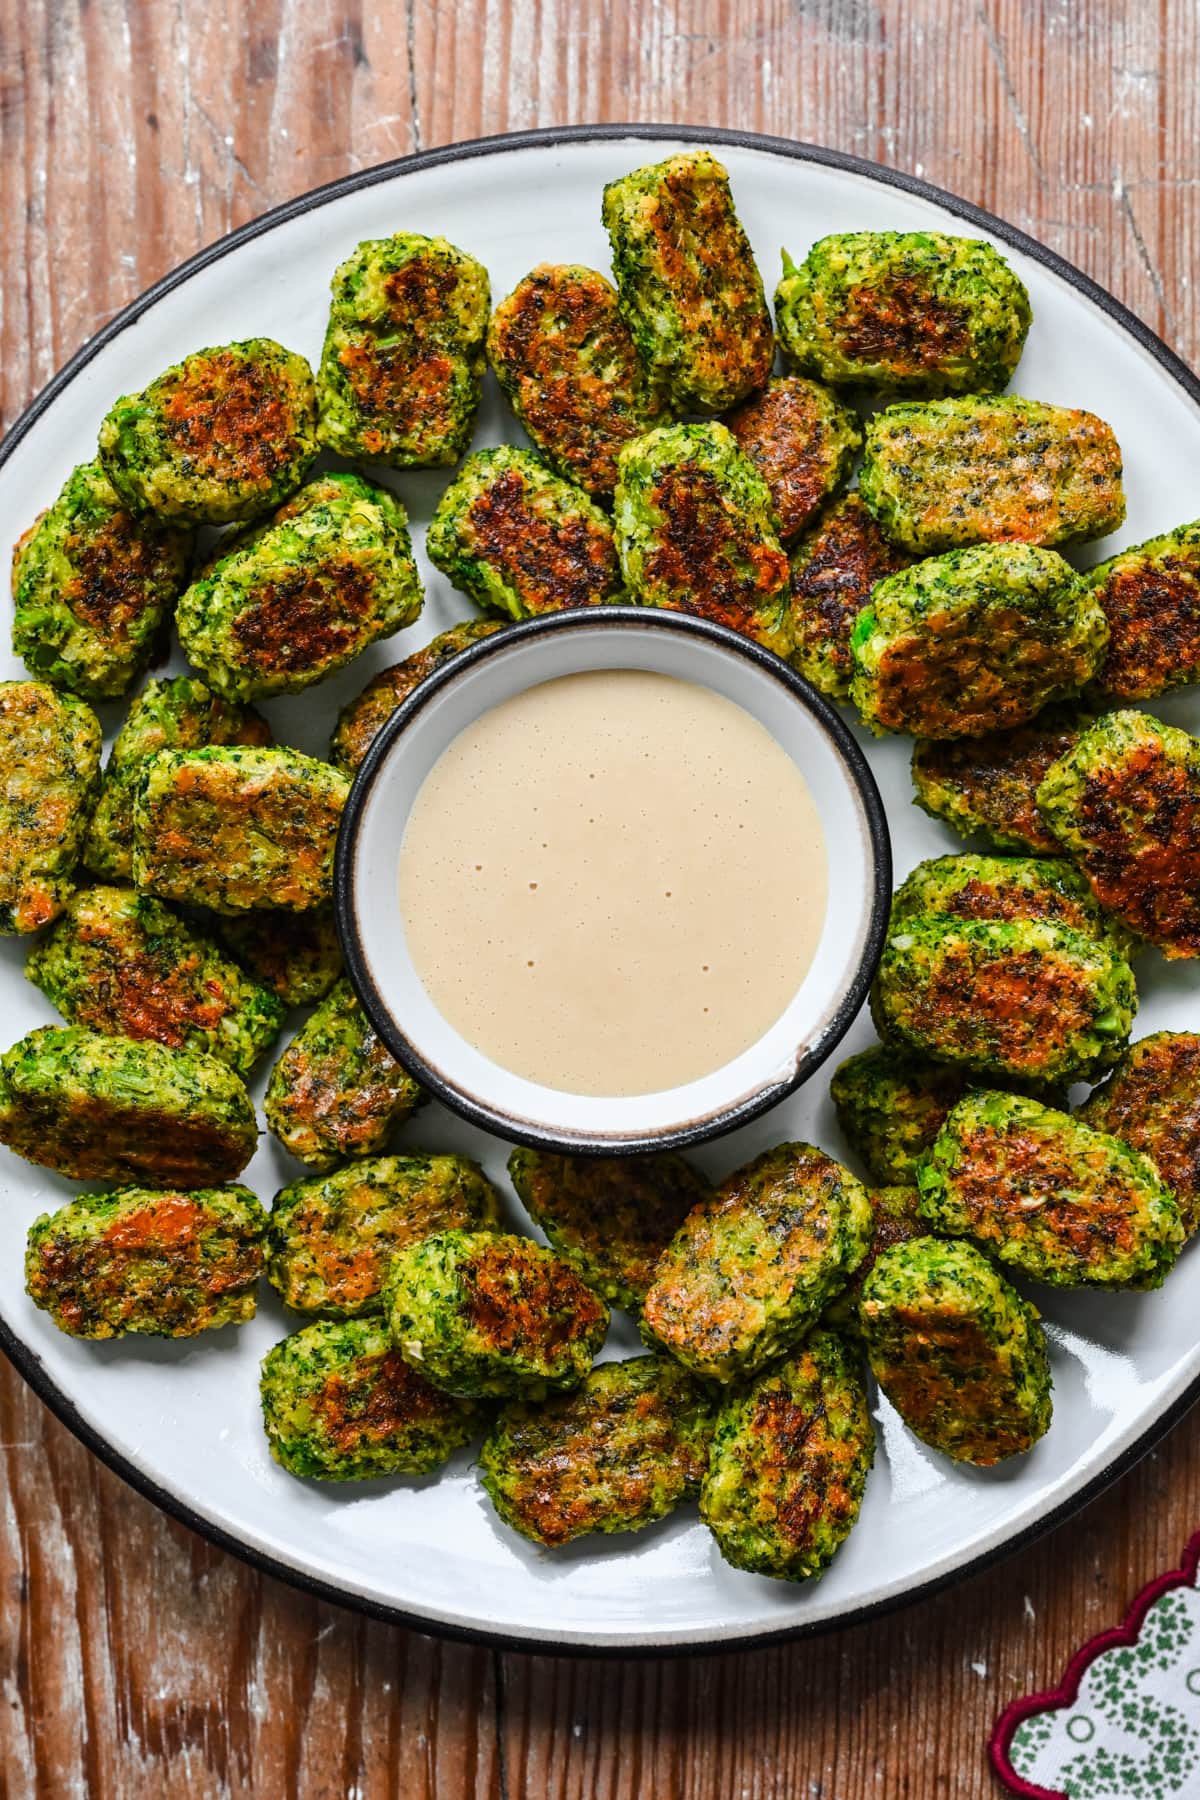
(942, 474)
(297, 956)
(521, 541)
(957, 1351)
(833, 570)
(331, 1236)
(616, 1454)
(891, 1105)
(166, 1263)
(1047, 1195)
(610, 1217)
(176, 714)
(289, 602)
(122, 963)
(911, 311)
(1151, 1101)
(236, 829)
(479, 1313)
(340, 1404)
(974, 641)
(1014, 998)
(789, 1462)
(336, 1091)
(92, 588)
(803, 442)
(689, 286)
(1125, 802)
(403, 359)
(49, 768)
(987, 786)
(696, 532)
(364, 716)
(102, 1108)
(1005, 887)
(566, 360)
(223, 435)
(1151, 598)
(751, 1268)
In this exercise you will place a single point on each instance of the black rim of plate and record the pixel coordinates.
(30, 1365)
(727, 1118)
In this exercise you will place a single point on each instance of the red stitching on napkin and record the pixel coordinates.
(1067, 1692)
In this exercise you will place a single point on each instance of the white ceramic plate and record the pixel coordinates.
(180, 1420)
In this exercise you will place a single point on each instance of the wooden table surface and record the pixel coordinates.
(134, 1658)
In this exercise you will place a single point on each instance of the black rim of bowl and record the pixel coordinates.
(472, 1107)
(641, 1644)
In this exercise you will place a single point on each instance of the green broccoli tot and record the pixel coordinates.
(166, 1263)
(1005, 887)
(336, 1091)
(521, 541)
(1125, 802)
(566, 360)
(833, 570)
(916, 312)
(751, 1268)
(957, 1351)
(102, 1108)
(1047, 1195)
(1151, 598)
(223, 435)
(789, 1462)
(236, 829)
(1151, 1101)
(891, 1104)
(695, 529)
(176, 714)
(689, 286)
(93, 586)
(479, 1313)
(616, 1454)
(49, 770)
(403, 359)
(296, 956)
(803, 442)
(1016, 999)
(291, 601)
(122, 963)
(339, 1404)
(942, 474)
(987, 786)
(365, 715)
(974, 641)
(610, 1217)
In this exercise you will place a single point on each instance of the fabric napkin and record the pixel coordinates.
(1124, 1723)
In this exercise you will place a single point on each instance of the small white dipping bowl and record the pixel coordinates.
(366, 887)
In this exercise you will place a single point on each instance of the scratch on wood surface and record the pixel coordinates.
(224, 145)
(996, 52)
(191, 174)
(1121, 195)
(414, 98)
(500, 1689)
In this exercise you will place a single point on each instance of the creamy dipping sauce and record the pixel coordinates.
(613, 883)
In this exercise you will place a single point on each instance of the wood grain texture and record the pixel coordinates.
(136, 1660)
